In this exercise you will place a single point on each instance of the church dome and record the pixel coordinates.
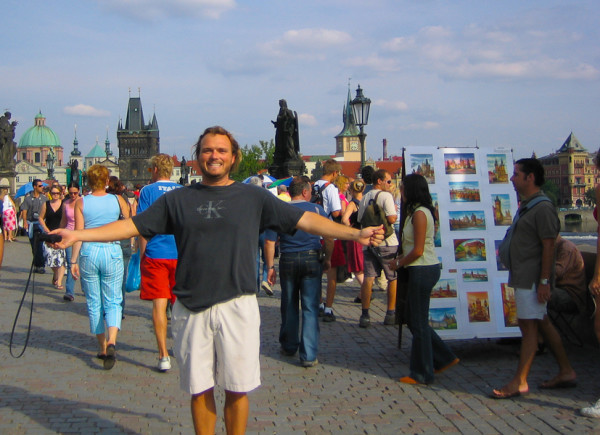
(39, 135)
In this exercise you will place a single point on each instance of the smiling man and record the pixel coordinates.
(216, 319)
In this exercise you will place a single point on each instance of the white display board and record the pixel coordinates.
(476, 202)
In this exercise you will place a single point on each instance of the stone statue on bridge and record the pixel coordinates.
(286, 159)
(8, 147)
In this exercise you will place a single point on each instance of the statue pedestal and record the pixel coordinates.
(10, 175)
(290, 168)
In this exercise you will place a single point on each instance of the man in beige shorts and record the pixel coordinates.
(215, 318)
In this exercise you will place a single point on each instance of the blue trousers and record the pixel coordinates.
(300, 276)
(70, 289)
(428, 351)
(101, 267)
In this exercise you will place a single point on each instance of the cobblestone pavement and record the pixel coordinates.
(58, 386)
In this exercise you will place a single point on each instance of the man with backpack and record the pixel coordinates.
(326, 194)
(530, 263)
(378, 206)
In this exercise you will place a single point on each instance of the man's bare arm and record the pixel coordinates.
(315, 224)
(117, 230)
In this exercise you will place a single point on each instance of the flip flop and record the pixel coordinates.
(499, 395)
(110, 358)
(549, 385)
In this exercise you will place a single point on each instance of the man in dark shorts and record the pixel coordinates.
(215, 318)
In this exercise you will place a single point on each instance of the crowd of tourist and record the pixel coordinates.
(317, 228)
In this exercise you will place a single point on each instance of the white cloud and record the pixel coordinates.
(394, 105)
(305, 41)
(85, 110)
(478, 52)
(306, 119)
(154, 10)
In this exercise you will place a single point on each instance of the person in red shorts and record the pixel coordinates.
(158, 258)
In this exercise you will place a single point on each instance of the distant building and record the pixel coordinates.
(33, 150)
(347, 143)
(137, 142)
(102, 156)
(571, 168)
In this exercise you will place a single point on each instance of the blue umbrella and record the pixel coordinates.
(24, 190)
(281, 181)
(266, 179)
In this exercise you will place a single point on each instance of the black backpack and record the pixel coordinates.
(317, 193)
(374, 215)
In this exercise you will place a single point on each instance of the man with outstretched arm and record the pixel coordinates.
(215, 319)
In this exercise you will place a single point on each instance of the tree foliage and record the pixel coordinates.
(551, 191)
(590, 197)
(255, 158)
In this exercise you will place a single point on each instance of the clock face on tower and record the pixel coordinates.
(354, 145)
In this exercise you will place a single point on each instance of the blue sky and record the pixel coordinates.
(439, 73)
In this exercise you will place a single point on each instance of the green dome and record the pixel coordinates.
(39, 135)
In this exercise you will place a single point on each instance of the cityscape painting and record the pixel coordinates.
(460, 163)
(479, 307)
(469, 250)
(497, 168)
(464, 191)
(475, 275)
(445, 288)
(501, 209)
(466, 220)
(443, 318)
(422, 164)
(509, 306)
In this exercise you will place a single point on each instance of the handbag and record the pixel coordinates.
(504, 247)
(134, 276)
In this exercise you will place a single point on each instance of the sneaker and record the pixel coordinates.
(321, 310)
(592, 411)
(389, 320)
(69, 298)
(309, 363)
(364, 321)
(267, 288)
(169, 311)
(164, 364)
(40, 270)
(328, 317)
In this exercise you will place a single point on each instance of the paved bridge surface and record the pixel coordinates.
(58, 386)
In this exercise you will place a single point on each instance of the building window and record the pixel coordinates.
(37, 158)
(24, 156)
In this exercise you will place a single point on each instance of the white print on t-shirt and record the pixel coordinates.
(210, 210)
(168, 188)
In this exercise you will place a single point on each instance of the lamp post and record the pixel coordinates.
(360, 109)
(50, 159)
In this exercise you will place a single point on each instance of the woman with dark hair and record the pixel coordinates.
(68, 221)
(101, 264)
(49, 219)
(429, 354)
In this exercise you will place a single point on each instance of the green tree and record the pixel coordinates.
(590, 197)
(254, 158)
(551, 191)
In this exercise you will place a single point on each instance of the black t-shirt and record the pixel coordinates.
(216, 232)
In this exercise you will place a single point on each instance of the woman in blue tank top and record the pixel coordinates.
(100, 265)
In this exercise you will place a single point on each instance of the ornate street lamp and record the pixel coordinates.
(360, 109)
(50, 159)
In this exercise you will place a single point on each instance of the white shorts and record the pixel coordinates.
(528, 306)
(218, 346)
